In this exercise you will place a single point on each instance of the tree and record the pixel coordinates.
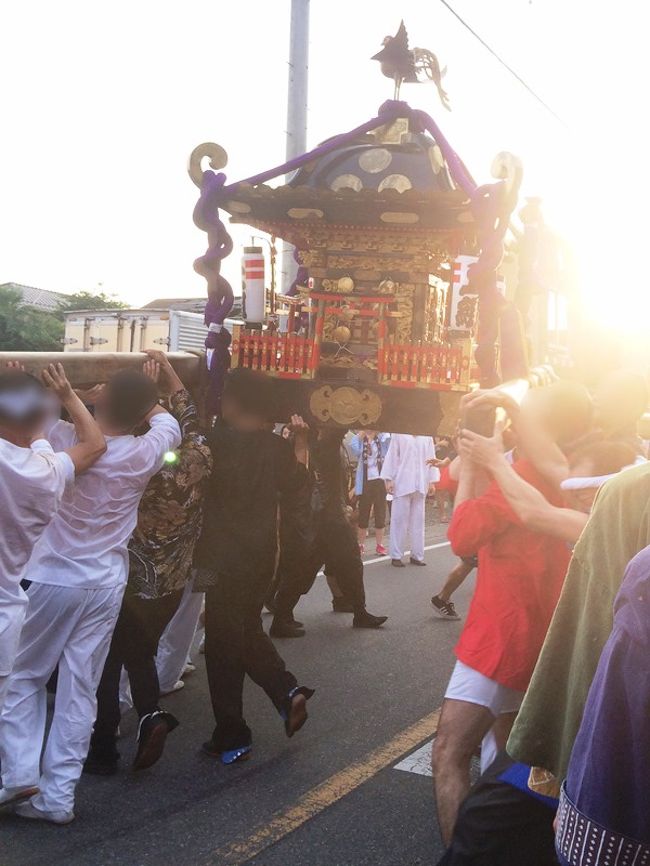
(24, 329)
(90, 301)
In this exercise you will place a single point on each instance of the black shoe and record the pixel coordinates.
(296, 622)
(152, 733)
(444, 609)
(295, 710)
(397, 563)
(368, 620)
(285, 628)
(415, 561)
(342, 605)
(102, 759)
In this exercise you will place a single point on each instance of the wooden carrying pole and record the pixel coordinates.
(89, 368)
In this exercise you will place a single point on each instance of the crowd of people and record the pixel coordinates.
(127, 520)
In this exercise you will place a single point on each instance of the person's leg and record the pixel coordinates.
(379, 512)
(176, 641)
(494, 742)
(398, 526)
(146, 619)
(103, 750)
(297, 578)
(365, 505)
(80, 669)
(461, 729)
(267, 669)
(225, 666)
(416, 526)
(50, 616)
(262, 662)
(342, 556)
(12, 617)
(442, 498)
(456, 576)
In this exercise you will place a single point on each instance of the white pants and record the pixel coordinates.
(407, 519)
(176, 641)
(12, 616)
(473, 687)
(71, 628)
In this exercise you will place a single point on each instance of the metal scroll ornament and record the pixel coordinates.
(345, 406)
(220, 293)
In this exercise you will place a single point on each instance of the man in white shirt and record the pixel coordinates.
(78, 571)
(32, 482)
(409, 479)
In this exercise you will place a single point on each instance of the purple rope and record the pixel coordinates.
(302, 275)
(457, 169)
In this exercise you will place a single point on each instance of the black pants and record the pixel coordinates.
(335, 546)
(373, 499)
(134, 646)
(499, 825)
(236, 645)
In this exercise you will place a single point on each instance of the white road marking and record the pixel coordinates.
(418, 762)
(387, 558)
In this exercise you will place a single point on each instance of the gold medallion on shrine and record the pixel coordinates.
(345, 405)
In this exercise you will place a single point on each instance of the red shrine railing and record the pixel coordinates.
(437, 367)
(287, 356)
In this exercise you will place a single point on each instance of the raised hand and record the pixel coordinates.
(151, 369)
(300, 432)
(167, 377)
(55, 379)
(481, 450)
(298, 426)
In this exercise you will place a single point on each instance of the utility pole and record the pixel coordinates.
(296, 106)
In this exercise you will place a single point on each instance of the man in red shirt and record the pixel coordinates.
(520, 576)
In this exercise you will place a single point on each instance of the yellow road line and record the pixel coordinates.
(324, 795)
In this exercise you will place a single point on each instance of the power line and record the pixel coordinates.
(502, 62)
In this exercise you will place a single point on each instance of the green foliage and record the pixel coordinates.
(90, 301)
(24, 329)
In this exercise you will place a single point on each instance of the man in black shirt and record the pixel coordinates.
(235, 557)
(330, 540)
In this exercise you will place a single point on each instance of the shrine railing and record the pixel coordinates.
(289, 356)
(439, 368)
(286, 356)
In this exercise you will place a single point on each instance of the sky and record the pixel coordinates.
(102, 104)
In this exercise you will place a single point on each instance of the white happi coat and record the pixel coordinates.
(406, 464)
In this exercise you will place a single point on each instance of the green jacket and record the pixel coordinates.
(550, 715)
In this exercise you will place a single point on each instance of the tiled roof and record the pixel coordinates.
(42, 299)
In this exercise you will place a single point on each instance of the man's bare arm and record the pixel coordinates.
(530, 506)
(91, 444)
(545, 455)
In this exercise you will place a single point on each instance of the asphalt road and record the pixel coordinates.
(328, 797)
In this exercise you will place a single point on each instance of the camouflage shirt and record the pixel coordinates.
(171, 511)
